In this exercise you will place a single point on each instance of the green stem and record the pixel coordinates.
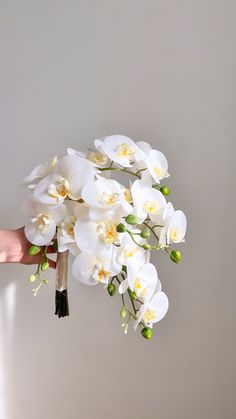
(151, 229)
(132, 237)
(134, 308)
(116, 169)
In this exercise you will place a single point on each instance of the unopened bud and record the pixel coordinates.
(111, 289)
(44, 265)
(132, 294)
(120, 228)
(145, 233)
(34, 250)
(32, 278)
(123, 312)
(146, 246)
(132, 219)
(147, 332)
(165, 190)
(176, 256)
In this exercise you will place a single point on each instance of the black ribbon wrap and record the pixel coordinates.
(61, 296)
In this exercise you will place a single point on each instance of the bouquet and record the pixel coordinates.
(111, 228)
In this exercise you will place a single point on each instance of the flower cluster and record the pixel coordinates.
(110, 228)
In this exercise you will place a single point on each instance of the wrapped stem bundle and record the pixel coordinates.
(61, 297)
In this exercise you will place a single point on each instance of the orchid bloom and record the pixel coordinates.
(120, 149)
(143, 281)
(153, 310)
(156, 162)
(41, 227)
(92, 235)
(106, 199)
(93, 268)
(174, 226)
(71, 174)
(147, 201)
(37, 174)
(66, 229)
(97, 158)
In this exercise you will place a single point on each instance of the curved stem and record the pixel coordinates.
(151, 229)
(117, 169)
(132, 237)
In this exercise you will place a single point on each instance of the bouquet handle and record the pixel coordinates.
(61, 297)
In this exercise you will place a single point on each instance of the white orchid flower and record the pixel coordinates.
(156, 162)
(71, 174)
(153, 310)
(66, 229)
(97, 158)
(92, 268)
(143, 282)
(174, 226)
(177, 227)
(131, 254)
(120, 149)
(161, 229)
(95, 235)
(147, 202)
(39, 173)
(41, 228)
(106, 199)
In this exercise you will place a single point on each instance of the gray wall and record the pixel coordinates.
(161, 71)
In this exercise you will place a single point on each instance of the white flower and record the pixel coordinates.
(71, 174)
(147, 201)
(156, 162)
(143, 282)
(177, 227)
(106, 199)
(94, 156)
(66, 229)
(153, 310)
(131, 254)
(174, 226)
(39, 173)
(94, 235)
(41, 228)
(120, 149)
(92, 268)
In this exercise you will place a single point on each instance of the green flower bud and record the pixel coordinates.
(146, 246)
(165, 190)
(145, 234)
(132, 294)
(123, 312)
(147, 332)
(32, 278)
(120, 228)
(111, 289)
(45, 281)
(44, 265)
(34, 250)
(176, 256)
(131, 219)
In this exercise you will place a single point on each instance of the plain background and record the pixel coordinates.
(161, 71)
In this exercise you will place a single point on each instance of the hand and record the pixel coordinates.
(14, 248)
